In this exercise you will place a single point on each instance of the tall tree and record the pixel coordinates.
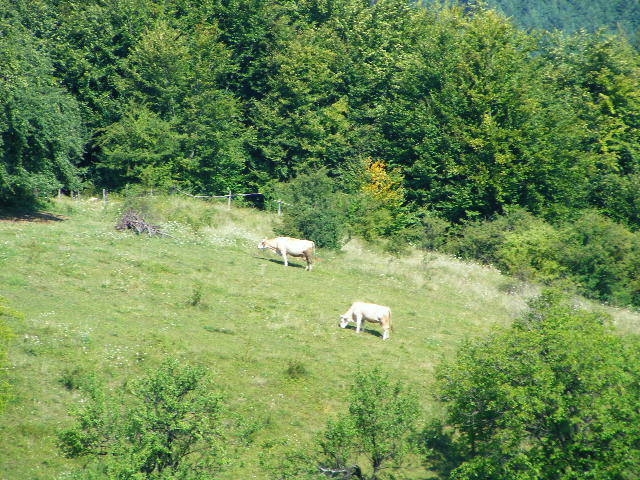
(41, 132)
(474, 126)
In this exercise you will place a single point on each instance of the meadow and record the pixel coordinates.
(112, 304)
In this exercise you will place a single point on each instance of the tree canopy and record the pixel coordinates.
(553, 397)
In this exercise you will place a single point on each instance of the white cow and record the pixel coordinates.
(359, 311)
(290, 246)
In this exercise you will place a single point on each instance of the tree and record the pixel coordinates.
(600, 74)
(382, 415)
(553, 397)
(41, 132)
(166, 426)
(140, 147)
(377, 429)
(473, 125)
(380, 419)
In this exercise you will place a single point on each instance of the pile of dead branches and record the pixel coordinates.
(132, 220)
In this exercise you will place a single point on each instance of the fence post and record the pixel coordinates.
(104, 196)
(229, 201)
(279, 207)
(59, 194)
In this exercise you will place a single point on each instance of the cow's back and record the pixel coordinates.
(371, 310)
(294, 246)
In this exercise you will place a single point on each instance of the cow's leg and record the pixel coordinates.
(385, 333)
(284, 257)
(358, 322)
(307, 257)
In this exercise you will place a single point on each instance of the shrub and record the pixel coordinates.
(367, 218)
(481, 239)
(375, 434)
(73, 378)
(619, 198)
(597, 252)
(196, 295)
(165, 425)
(434, 231)
(316, 210)
(377, 427)
(531, 253)
(296, 369)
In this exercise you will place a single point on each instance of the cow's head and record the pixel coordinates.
(344, 320)
(263, 244)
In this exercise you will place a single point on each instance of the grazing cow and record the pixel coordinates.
(359, 311)
(290, 246)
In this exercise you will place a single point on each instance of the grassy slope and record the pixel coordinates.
(114, 303)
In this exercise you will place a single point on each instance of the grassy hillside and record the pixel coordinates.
(97, 300)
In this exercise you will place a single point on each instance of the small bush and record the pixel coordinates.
(481, 239)
(531, 252)
(367, 218)
(196, 295)
(599, 254)
(296, 369)
(434, 231)
(315, 210)
(167, 424)
(72, 378)
(398, 244)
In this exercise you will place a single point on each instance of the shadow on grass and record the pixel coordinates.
(28, 215)
(280, 262)
(375, 333)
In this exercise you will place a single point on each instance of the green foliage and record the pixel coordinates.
(600, 255)
(572, 16)
(74, 378)
(471, 139)
(433, 231)
(195, 298)
(373, 437)
(166, 425)
(296, 369)
(481, 240)
(554, 396)
(600, 75)
(314, 211)
(41, 132)
(591, 252)
(381, 418)
(140, 147)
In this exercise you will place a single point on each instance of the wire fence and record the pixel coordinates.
(75, 195)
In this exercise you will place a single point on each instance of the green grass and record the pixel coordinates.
(99, 301)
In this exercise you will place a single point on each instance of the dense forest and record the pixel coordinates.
(422, 122)
(622, 16)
